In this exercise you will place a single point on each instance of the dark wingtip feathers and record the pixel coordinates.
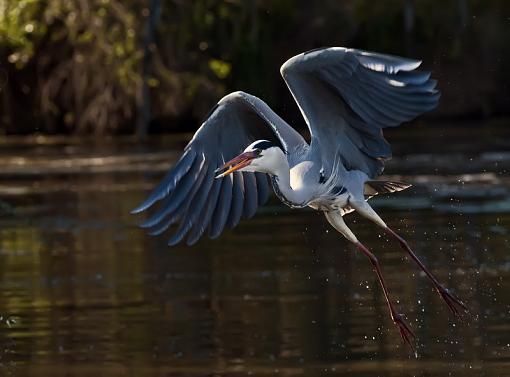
(385, 187)
(168, 182)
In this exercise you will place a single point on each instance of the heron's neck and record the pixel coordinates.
(280, 179)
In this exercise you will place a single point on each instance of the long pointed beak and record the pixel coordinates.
(239, 162)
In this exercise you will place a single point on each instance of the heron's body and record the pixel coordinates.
(347, 98)
(308, 186)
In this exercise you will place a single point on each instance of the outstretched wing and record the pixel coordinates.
(192, 199)
(347, 96)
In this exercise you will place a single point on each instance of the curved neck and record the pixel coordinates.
(280, 180)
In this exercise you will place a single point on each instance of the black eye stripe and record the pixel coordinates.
(263, 144)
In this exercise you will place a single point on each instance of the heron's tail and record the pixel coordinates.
(384, 187)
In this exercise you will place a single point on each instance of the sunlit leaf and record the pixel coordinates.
(220, 68)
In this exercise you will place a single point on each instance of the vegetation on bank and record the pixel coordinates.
(125, 66)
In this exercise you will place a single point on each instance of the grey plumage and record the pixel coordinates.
(355, 95)
(346, 97)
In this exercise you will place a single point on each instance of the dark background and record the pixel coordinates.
(123, 67)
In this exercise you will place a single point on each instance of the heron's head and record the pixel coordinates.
(260, 156)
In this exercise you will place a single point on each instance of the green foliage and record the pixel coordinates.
(220, 68)
(19, 27)
(77, 64)
(86, 55)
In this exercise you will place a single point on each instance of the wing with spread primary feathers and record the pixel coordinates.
(348, 96)
(191, 199)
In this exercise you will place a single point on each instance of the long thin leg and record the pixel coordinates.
(453, 302)
(336, 220)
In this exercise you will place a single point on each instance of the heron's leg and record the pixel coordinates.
(337, 221)
(453, 302)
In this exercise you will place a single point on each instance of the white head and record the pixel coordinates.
(260, 156)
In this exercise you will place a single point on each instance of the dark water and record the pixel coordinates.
(83, 292)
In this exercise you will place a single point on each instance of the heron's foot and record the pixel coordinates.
(406, 333)
(455, 305)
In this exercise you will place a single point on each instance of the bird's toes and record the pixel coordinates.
(406, 333)
(454, 304)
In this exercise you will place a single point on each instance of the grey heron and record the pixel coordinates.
(346, 97)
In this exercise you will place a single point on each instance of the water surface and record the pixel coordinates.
(85, 292)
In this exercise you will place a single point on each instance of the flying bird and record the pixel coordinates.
(346, 97)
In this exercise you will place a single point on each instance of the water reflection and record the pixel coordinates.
(84, 291)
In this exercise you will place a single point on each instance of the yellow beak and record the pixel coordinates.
(239, 162)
